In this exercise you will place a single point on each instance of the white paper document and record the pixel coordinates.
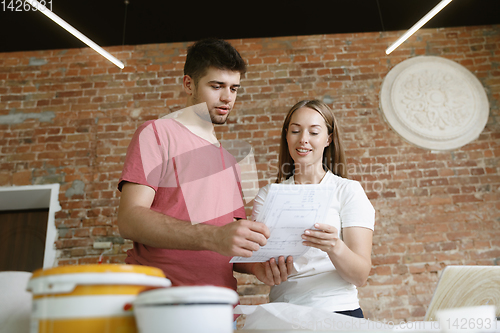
(288, 211)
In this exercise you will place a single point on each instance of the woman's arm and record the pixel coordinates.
(351, 257)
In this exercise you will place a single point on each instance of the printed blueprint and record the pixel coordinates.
(288, 211)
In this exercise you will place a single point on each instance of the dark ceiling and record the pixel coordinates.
(112, 22)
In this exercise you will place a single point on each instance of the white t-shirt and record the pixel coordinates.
(315, 281)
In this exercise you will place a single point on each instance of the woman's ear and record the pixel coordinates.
(329, 140)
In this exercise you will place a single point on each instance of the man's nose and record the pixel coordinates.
(226, 95)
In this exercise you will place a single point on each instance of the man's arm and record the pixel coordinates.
(136, 221)
(270, 272)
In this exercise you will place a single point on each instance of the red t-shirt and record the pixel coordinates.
(194, 181)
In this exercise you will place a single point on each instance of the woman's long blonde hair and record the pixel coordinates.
(333, 154)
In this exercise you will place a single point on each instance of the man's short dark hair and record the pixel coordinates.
(212, 52)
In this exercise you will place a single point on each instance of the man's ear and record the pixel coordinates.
(188, 84)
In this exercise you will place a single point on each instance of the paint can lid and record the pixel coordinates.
(187, 295)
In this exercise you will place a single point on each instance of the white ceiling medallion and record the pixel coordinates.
(434, 103)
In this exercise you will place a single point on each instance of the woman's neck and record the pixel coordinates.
(308, 174)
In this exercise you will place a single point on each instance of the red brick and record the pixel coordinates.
(427, 204)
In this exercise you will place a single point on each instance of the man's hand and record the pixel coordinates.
(272, 272)
(240, 238)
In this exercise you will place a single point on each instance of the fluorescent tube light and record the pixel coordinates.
(41, 8)
(417, 25)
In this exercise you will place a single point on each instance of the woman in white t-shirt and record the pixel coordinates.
(339, 258)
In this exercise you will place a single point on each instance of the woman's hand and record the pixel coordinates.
(350, 256)
(272, 272)
(324, 237)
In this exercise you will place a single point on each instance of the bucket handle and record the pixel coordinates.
(58, 284)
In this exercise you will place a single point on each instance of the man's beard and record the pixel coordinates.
(214, 118)
(217, 119)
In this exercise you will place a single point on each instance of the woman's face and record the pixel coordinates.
(307, 136)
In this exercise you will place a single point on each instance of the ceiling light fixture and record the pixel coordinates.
(41, 8)
(418, 25)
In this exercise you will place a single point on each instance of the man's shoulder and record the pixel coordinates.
(159, 125)
(167, 122)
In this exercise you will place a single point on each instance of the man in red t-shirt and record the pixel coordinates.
(181, 199)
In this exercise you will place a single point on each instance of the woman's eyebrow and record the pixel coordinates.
(301, 125)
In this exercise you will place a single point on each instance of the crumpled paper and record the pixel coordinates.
(285, 316)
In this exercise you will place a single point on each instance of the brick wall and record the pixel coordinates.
(67, 116)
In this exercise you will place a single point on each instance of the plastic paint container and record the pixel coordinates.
(89, 298)
(193, 309)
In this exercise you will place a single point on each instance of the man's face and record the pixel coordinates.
(218, 88)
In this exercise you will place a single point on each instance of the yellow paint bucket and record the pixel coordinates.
(89, 298)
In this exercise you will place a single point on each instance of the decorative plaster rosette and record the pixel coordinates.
(434, 103)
